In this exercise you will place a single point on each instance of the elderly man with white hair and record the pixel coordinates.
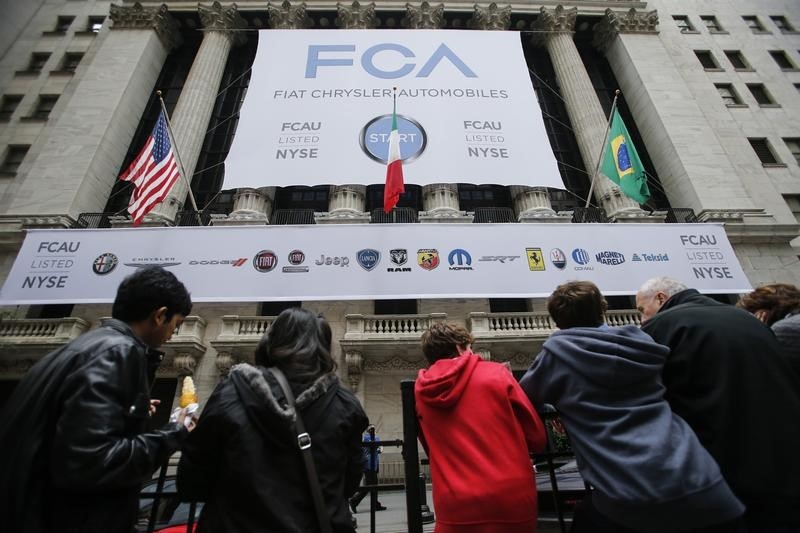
(726, 377)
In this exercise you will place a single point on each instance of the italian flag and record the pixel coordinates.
(394, 167)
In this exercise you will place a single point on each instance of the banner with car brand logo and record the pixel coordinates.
(373, 261)
(318, 110)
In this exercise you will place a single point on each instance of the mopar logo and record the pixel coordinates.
(459, 259)
(374, 138)
(580, 256)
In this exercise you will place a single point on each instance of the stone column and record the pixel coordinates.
(251, 207)
(347, 202)
(553, 29)
(532, 204)
(76, 160)
(439, 200)
(193, 111)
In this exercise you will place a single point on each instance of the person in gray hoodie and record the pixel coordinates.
(648, 471)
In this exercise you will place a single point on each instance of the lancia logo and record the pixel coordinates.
(368, 258)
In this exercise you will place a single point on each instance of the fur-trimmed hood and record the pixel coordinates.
(264, 400)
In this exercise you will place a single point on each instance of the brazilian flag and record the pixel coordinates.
(621, 163)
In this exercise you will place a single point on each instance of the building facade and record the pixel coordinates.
(711, 94)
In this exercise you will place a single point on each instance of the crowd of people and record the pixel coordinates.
(687, 424)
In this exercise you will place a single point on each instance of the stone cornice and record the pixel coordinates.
(553, 21)
(356, 17)
(137, 17)
(288, 17)
(424, 16)
(491, 17)
(223, 19)
(613, 23)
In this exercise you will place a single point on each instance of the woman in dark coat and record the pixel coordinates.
(243, 458)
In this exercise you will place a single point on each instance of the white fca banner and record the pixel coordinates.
(319, 110)
(362, 262)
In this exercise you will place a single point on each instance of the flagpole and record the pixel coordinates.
(603, 149)
(178, 157)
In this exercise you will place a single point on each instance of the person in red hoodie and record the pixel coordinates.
(478, 428)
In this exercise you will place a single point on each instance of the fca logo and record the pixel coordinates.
(459, 256)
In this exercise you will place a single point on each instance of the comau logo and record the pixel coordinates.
(265, 260)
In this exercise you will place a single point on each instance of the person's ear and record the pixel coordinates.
(604, 306)
(661, 297)
(160, 316)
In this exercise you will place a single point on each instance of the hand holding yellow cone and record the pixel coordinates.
(188, 392)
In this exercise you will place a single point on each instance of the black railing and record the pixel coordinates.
(589, 214)
(193, 218)
(283, 217)
(398, 215)
(489, 215)
(94, 220)
(680, 215)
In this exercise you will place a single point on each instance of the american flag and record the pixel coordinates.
(153, 172)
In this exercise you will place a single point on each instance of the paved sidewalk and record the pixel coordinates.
(393, 519)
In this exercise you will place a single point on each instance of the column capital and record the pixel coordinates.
(356, 17)
(491, 17)
(223, 19)
(355, 365)
(553, 21)
(288, 17)
(424, 16)
(613, 23)
(137, 17)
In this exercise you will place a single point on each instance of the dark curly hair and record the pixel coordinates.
(776, 299)
(577, 304)
(442, 339)
(150, 288)
(299, 343)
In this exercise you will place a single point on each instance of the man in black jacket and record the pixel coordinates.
(726, 377)
(74, 449)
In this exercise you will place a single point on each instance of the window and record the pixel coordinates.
(95, 24)
(764, 151)
(783, 24)
(62, 25)
(71, 61)
(760, 94)
(38, 59)
(728, 94)
(754, 24)
(683, 23)
(793, 201)
(508, 305)
(711, 23)
(9, 105)
(45, 105)
(794, 146)
(782, 60)
(13, 159)
(396, 307)
(737, 60)
(706, 59)
(275, 308)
